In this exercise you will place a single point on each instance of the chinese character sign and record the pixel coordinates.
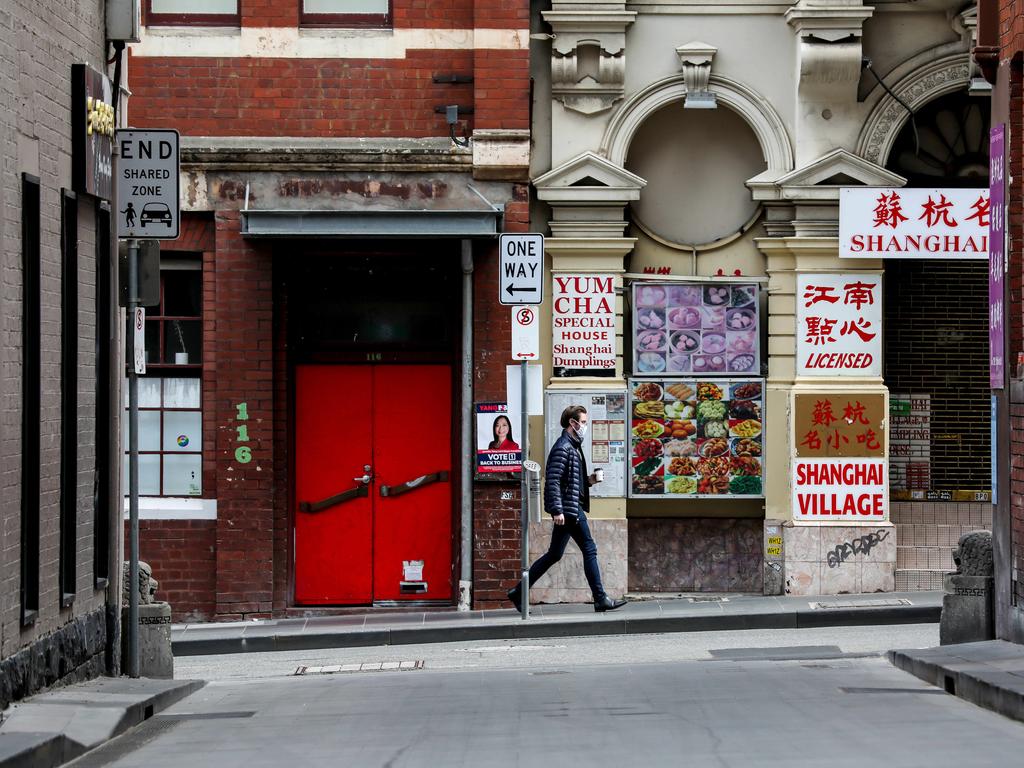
(839, 325)
(846, 424)
(896, 223)
(839, 464)
(996, 255)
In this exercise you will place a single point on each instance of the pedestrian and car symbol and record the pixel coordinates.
(147, 184)
(156, 212)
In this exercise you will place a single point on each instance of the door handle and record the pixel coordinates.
(412, 485)
(366, 478)
(330, 501)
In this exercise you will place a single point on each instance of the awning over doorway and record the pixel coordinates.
(483, 222)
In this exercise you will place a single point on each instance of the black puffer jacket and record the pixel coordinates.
(563, 479)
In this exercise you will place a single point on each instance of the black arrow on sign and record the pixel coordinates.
(513, 291)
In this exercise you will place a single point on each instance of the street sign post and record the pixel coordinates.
(525, 334)
(147, 184)
(147, 206)
(521, 282)
(522, 269)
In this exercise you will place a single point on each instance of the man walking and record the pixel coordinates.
(567, 500)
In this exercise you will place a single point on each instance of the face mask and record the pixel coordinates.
(579, 429)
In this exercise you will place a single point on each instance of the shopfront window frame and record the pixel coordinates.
(194, 19)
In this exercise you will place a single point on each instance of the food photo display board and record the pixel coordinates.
(696, 438)
(703, 329)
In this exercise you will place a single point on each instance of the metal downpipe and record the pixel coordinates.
(467, 452)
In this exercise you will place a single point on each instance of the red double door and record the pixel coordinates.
(373, 485)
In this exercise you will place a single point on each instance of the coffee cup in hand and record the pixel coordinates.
(598, 475)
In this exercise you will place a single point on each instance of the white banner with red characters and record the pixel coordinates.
(887, 223)
(839, 324)
(840, 490)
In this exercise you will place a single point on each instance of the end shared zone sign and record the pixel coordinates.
(147, 184)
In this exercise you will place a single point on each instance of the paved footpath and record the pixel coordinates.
(696, 614)
(797, 713)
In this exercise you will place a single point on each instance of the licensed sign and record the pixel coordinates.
(839, 324)
(522, 269)
(897, 223)
(147, 184)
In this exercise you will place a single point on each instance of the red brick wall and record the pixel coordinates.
(1011, 42)
(1015, 276)
(496, 526)
(243, 341)
(182, 554)
(299, 97)
(341, 97)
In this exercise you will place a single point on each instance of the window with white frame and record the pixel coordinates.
(170, 394)
(213, 12)
(338, 13)
(170, 436)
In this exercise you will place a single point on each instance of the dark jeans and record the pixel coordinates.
(579, 531)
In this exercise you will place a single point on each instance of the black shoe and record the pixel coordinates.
(607, 604)
(516, 598)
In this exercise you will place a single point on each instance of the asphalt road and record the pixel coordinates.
(778, 698)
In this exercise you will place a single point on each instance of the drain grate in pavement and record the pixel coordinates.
(831, 605)
(368, 666)
(708, 599)
(783, 653)
(550, 672)
(185, 716)
(894, 690)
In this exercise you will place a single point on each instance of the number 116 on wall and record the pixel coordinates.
(243, 453)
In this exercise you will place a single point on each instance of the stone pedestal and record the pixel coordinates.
(968, 609)
(566, 582)
(155, 658)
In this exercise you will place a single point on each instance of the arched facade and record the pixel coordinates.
(822, 124)
(756, 110)
(916, 89)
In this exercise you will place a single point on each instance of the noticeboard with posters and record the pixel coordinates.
(605, 443)
(701, 329)
(696, 438)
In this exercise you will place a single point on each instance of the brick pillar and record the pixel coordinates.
(244, 374)
(496, 528)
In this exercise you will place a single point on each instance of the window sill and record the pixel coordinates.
(29, 618)
(67, 600)
(174, 508)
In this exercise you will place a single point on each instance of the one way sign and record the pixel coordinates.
(522, 269)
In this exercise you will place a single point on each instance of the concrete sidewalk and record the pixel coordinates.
(694, 614)
(989, 674)
(51, 728)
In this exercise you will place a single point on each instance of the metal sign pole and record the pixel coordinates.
(133, 465)
(524, 431)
